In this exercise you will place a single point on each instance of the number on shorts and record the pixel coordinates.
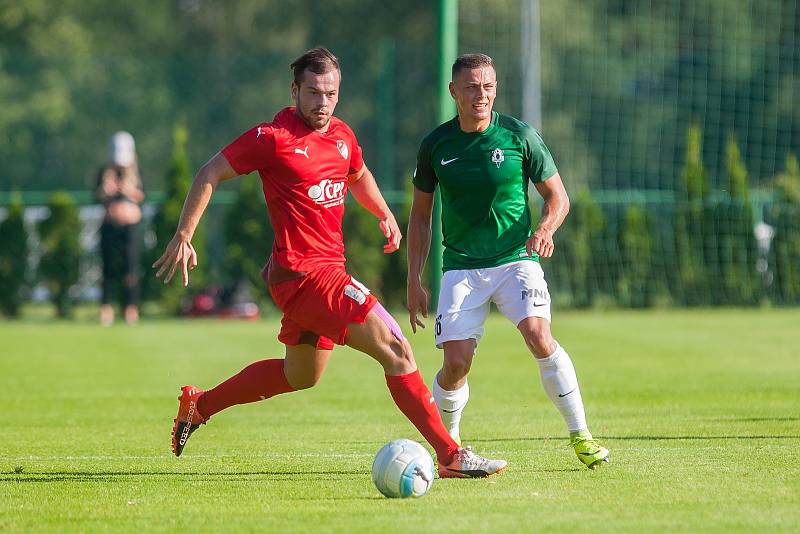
(439, 325)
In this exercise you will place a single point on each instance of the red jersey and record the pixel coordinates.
(304, 177)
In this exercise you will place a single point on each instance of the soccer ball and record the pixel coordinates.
(403, 468)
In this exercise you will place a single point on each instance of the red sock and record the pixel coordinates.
(414, 399)
(258, 381)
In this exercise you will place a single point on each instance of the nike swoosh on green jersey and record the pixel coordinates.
(446, 161)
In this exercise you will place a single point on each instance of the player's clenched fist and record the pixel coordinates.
(392, 233)
(541, 242)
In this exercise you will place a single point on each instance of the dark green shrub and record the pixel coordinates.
(784, 256)
(13, 258)
(573, 256)
(636, 287)
(693, 237)
(59, 266)
(248, 237)
(734, 279)
(165, 222)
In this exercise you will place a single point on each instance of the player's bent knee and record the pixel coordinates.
(537, 335)
(540, 342)
(458, 365)
(458, 359)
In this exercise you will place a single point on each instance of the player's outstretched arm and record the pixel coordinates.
(365, 191)
(554, 211)
(179, 251)
(419, 245)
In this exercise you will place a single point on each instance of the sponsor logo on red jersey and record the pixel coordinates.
(327, 193)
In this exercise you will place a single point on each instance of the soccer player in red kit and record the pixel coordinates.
(307, 160)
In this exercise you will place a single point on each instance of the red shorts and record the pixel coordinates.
(318, 306)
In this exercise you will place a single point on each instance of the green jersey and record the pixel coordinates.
(483, 178)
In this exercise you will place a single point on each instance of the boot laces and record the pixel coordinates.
(470, 460)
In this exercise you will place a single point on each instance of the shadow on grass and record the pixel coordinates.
(623, 438)
(635, 438)
(102, 476)
(50, 478)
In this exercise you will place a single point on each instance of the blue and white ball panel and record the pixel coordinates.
(403, 468)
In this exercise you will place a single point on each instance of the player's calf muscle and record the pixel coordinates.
(397, 358)
(302, 380)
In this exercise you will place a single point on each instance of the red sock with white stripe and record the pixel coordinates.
(258, 381)
(415, 401)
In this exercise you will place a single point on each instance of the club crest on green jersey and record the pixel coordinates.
(498, 157)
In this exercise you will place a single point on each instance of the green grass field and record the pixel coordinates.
(701, 411)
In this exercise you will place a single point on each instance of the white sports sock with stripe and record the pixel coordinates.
(450, 404)
(561, 384)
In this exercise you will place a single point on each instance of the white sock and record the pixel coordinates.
(561, 384)
(451, 404)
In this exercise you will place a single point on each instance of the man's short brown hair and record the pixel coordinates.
(471, 61)
(318, 60)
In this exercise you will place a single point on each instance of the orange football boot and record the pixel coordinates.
(188, 419)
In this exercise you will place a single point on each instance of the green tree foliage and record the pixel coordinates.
(13, 259)
(695, 180)
(621, 80)
(223, 65)
(784, 258)
(788, 183)
(177, 184)
(635, 73)
(738, 187)
(734, 279)
(575, 251)
(636, 287)
(248, 236)
(692, 226)
(59, 266)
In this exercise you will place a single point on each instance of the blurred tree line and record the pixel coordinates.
(699, 250)
(76, 71)
(622, 81)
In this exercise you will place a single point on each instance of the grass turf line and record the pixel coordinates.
(700, 410)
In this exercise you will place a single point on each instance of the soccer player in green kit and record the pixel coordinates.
(482, 162)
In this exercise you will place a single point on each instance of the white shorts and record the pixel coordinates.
(518, 289)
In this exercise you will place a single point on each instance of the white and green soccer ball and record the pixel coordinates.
(403, 468)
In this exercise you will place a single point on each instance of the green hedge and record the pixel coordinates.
(59, 267)
(248, 237)
(698, 250)
(177, 183)
(783, 278)
(13, 259)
